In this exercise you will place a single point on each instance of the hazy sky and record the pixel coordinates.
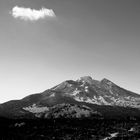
(100, 38)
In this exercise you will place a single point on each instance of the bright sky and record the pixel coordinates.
(45, 42)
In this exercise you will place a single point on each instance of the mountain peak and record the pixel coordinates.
(83, 91)
(86, 79)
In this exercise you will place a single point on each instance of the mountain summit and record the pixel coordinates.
(86, 79)
(85, 97)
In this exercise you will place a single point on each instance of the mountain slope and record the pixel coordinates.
(102, 92)
(103, 97)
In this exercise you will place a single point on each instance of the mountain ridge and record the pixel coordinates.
(84, 91)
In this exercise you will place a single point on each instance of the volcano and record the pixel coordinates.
(84, 97)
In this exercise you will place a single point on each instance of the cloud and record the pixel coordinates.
(32, 14)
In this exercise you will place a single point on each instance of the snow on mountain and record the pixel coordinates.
(83, 91)
(88, 90)
(102, 92)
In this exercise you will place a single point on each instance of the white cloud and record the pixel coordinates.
(32, 14)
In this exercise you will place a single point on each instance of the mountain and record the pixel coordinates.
(84, 97)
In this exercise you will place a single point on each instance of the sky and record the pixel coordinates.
(45, 42)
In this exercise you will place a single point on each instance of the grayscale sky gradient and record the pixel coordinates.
(100, 38)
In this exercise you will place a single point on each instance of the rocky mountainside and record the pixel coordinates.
(83, 97)
(102, 92)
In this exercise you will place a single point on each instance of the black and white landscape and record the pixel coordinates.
(83, 109)
(47, 49)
